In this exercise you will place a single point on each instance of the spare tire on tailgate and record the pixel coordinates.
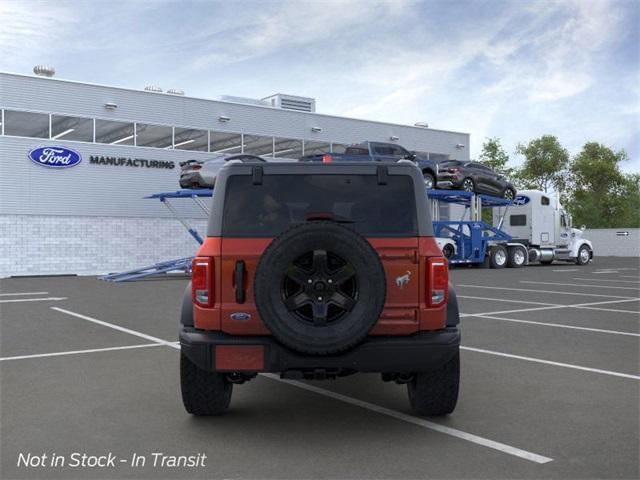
(320, 288)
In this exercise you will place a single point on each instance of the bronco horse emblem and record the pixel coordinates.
(402, 280)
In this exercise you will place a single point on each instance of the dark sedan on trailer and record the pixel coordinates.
(475, 177)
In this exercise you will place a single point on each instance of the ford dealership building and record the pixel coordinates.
(77, 160)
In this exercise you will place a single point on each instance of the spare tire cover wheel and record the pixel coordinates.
(320, 288)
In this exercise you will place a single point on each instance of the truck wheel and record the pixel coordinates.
(429, 181)
(320, 288)
(517, 257)
(448, 251)
(584, 255)
(203, 393)
(436, 392)
(498, 257)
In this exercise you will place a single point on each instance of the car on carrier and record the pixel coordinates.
(203, 173)
(475, 177)
(383, 152)
(316, 272)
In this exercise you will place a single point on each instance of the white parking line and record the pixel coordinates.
(628, 276)
(509, 301)
(581, 285)
(469, 437)
(76, 352)
(558, 325)
(116, 327)
(370, 406)
(533, 290)
(634, 312)
(48, 299)
(23, 293)
(549, 362)
(587, 306)
(605, 272)
(604, 280)
(567, 270)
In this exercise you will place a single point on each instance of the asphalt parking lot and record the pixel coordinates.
(549, 388)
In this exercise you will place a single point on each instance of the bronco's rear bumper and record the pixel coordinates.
(421, 352)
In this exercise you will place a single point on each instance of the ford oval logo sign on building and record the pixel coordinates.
(55, 157)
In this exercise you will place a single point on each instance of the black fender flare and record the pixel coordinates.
(453, 313)
(429, 170)
(186, 312)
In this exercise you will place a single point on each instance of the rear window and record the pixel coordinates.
(450, 163)
(357, 201)
(356, 151)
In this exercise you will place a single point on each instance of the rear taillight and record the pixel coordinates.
(437, 281)
(202, 281)
(326, 158)
(196, 167)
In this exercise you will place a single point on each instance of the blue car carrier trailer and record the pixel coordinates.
(475, 241)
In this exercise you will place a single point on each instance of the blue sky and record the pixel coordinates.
(514, 69)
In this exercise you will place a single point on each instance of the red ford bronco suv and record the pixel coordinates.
(316, 271)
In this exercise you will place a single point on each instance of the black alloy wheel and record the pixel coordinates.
(468, 185)
(508, 194)
(320, 287)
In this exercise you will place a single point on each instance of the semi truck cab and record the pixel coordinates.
(538, 221)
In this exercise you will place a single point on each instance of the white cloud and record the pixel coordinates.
(32, 29)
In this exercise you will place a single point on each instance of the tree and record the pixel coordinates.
(495, 157)
(600, 195)
(545, 164)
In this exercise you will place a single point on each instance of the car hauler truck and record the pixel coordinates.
(532, 228)
(538, 221)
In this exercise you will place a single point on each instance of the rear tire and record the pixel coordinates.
(508, 194)
(436, 393)
(468, 185)
(429, 180)
(498, 257)
(517, 257)
(203, 393)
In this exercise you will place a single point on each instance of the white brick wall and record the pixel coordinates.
(47, 245)
(608, 242)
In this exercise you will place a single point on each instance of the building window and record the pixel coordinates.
(287, 148)
(114, 133)
(224, 142)
(316, 148)
(190, 139)
(157, 136)
(71, 128)
(26, 124)
(258, 145)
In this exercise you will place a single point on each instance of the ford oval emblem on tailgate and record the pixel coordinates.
(240, 316)
(55, 157)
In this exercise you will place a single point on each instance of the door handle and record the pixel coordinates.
(239, 280)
